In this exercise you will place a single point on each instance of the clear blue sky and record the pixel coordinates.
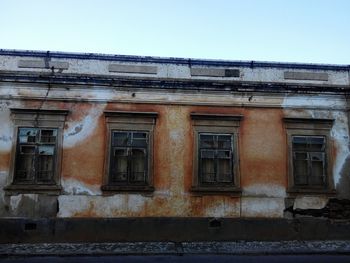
(315, 31)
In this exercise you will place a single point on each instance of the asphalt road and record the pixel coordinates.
(185, 259)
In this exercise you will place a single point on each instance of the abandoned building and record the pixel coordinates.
(113, 136)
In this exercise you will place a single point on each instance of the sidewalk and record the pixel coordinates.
(181, 248)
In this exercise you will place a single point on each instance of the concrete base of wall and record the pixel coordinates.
(169, 229)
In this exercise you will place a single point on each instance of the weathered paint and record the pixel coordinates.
(262, 207)
(74, 187)
(220, 206)
(173, 146)
(6, 130)
(16, 200)
(262, 148)
(263, 171)
(172, 171)
(265, 190)
(98, 66)
(263, 142)
(339, 132)
(82, 123)
(84, 154)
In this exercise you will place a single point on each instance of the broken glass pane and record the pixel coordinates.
(27, 135)
(315, 156)
(46, 150)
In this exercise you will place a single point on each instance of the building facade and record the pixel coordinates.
(88, 135)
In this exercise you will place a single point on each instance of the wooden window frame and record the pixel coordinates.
(40, 119)
(216, 124)
(309, 127)
(122, 121)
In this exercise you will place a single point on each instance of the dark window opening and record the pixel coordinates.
(129, 158)
(36, 154)
(215, 159)
(309, 160)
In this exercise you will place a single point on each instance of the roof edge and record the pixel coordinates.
(173, 60)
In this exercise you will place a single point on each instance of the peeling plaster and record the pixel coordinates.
(265, 190)
(310, 202)
(136, 203)
(340, 134)
(92, 206)
(74, 187)
(77, 131)
(262, 207)
(312, 101)
(217, 210)
(6, 130)
(15, 200)
(222, 209)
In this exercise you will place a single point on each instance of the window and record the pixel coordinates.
(309, 162)
(35, 156)
(309, 155)
(37, 150)
(130, 151)
(129, 158)
(216, 164)
(215, 159)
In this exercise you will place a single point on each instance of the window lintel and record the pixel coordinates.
(211, 116)
(39, 111)
(131, 114)
(308, 123)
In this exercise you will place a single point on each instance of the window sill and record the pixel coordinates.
(311, 191)
(127, 188)
(216, 190)
(32, 189)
